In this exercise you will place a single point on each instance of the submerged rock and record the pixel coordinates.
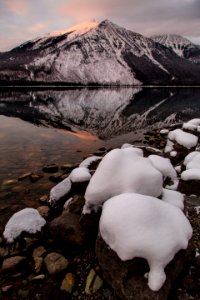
(53, 168)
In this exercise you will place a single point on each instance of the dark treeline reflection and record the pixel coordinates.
(105, 113)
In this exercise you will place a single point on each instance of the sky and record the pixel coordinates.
(22, 20)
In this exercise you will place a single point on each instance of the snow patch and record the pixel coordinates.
(182, 138)
(191, 174)
(59, 191)
(164, 166)
(173, 197)
(80, 174)
(26, 220)
(86, 162)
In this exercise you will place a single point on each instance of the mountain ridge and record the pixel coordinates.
(103, 54)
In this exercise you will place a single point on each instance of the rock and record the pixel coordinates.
(197, 259)
(13, 263)
(44, 199)
(75, 205)
(98, 282)
(23, 293)
(56, 177)
(189, 187)
(38, 277)
(55, 263)
(6, 288)
(89, 281)
(66, 228)
(127, 277)
(37, 257)
(4, 251)
(24, 176)
(7, 183)
(68, 167)
(44, 211)
(34, 178)
(53, 168)
(68, 283)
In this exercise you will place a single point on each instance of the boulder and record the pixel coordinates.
(127, 278)
(13, 263)
(66, 228)
(55, 263)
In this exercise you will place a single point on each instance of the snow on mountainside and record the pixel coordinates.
(180, 45)
(96, 53)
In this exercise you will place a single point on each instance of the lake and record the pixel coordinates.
(41, 127)
(63, 126)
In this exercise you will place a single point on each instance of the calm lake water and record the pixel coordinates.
(54, 126)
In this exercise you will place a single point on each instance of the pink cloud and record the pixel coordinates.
(37, 27)
(19, 7)
(81, 11)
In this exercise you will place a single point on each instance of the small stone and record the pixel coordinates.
(76, 204)
(44, 211)
(6, 288)
(34, 178)
(39, 251)
(24, 176)
(9, 182)
(38, 277)
(89, 281)
(23, 293)
(68, 283)
(37, 256)
(98, 282)
(56, 178)
(17, 189)
(55, 263)
(38, 264)
(12, 263)
(53, 168)
(44, 199)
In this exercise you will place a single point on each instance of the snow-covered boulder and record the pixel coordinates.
(122, 171)
(26, 220)
(164, 166)
(135, 225)
(178, 136)
(59, 191)
(89, 160)
(173, 197)
(192, 125)
(80, 174)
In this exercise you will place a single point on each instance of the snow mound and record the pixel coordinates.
(141, 226)
(192, 161)
(86, 162)
(122, 171)
(164, 131)
(191, 174)
(80, 174)
(190, 157)
(173, 197)
(193, 125)
(164, 166)
(137, 150)
(26, 220)
(182, 138)
(59, 191)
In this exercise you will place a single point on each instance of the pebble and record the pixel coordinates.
(23, 293)
(9, 182)
(38, 277)
(24, 176)
(44, 211)
(53, 168)
(98, 282)
(43, 199)
(68, 283)
(55, 263)
(34, 178)
(6, 288)
(89, 281)
(12, 263)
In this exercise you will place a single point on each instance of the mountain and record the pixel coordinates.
(96, 53)
(180, 45)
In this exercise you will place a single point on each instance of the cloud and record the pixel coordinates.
(37, 27)
(19, 7)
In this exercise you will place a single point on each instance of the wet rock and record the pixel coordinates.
(7, 183)
(18, 189)
(102, 149)
(55, 263)
(38, 277)
(98, 283)
(44, 199)
(89, 281)
(24, 176)
(190, 187)
(34, 178)
(75, 204)
(13, 263)
(44, 211)
(56, 178)
(37, 257)
(53, 168)
(68, 283)
(127, 277)
(66, 228)
(68, 167)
